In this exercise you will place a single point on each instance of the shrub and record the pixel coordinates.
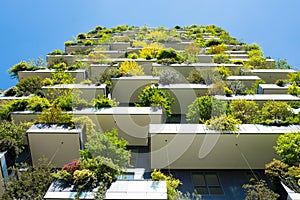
(218, 49)
(21, 66)
(257, 62)
(59, 66)
(294, 77)
(167, 77)
(228, 92)
(11, 106)
(37, 104)
(237, 62)
(255, 53)
(169, 56)
(153, 96)
(212, 42)
(62, 77)
(194, 49)
(11, 91)
(224, 72)
(246, 111)
(221, 58)
(69, 43)
(139, 44)
(88, 42)
(188, 57)
(195, 76)
(55, 115)
(275, 112)
(131, 68)
(133, 56)
(108, 145)
(294, 89)
(150, 51)
(280, 82)
(223, 123)
(282, 64)
(203, 108)
(217, 88)
(237, 87)
(102, 102)
(110, 72)
(57, 52)
(259, 190)
(81, 36)
(29, 85)
(288, 148)
(172, 183)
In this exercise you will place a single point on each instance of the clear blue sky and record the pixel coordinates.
(33, 28)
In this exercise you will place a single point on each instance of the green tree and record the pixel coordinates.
(294, 89)
(282, 64)
(203, 108)
(288, 148)
(295, 77)
(259, 190)
(172, 183)
(153, 96)
(169, 56)
(246, 111)
(110, 146)
(12, 139)
(32, 183)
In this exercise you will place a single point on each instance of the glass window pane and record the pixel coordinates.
(212, 180)
(215, 190)
(198, 180)
(201, 190)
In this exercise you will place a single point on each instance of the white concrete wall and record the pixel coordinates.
(126, 89)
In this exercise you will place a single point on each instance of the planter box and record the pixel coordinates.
(79, 74)
(120, 189)
(120, 45)
(96, 70)
(68, 59)
(184, 69)
(272, 89)
(82, 48)
(57, 143)
(270, 75)
(87, 92)
(176, 45)
(261, 98)
(126, 89)
(184, 95)
(247, 81)
(24, 116)
(113, 54)
(207, 58)
(193, 146)
(132, 123)
(5, 99)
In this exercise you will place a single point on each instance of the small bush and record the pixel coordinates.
(104, 102)
(169, 56)
(219, 49)
(21, 66)
(59, 66)
(133, 56)
(81, 36)
(167, 77)
(57, 52)
(221, 58)
(195, 77)
(30, 85)
(150, 51)
(11, 91)
(69, 43)
(212, 42)
(294, 89)
(88, 42)
(37, 104)
(280, 82)
(131, 68)
(228, 92)
(238, 62)
(223, 123)
(224, 72)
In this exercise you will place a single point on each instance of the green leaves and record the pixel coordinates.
(288, 148)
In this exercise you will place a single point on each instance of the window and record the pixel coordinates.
(207, 184)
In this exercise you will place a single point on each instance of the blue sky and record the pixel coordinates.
(33, 28)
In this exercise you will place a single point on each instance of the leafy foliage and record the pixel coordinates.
(153, 96)
(55, 115)
(259, 190)
(110, 146)
(275, 112)
(282, 64)
(294, 89)
(237, 87)
(62, 77)
(203, 108)
(217, 49)
(288, 148)
(172, 183)
(195, 77)
(221, 58)
(32, 183)
(246, 111)
(150, 51)
(223, 123)
(223, 71)
(295, 77)
(21, 66)
(29, 85)
(38, 104)
(10, 106)
(167, 77)
(169, 56)
(103, 102)
(131, 68)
